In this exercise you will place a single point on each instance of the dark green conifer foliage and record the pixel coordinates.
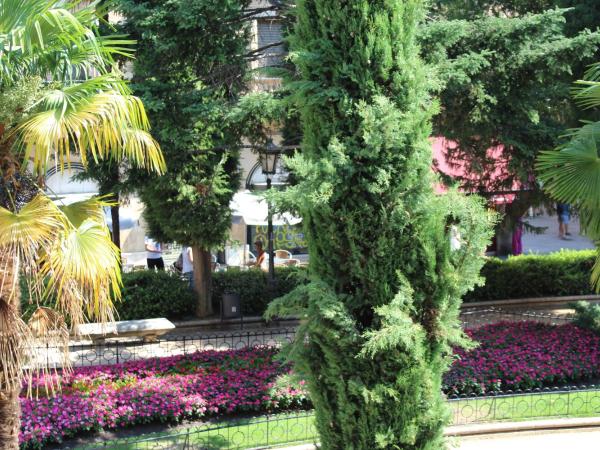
(190, 69)
(382, 305)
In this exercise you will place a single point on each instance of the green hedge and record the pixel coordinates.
(528, 276)
(252, 287)
(149, 294)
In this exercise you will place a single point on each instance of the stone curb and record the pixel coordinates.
(247, 320)
(502, 427)
(529, 425)
(537, 301)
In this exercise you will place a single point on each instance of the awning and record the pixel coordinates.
(67, 199)
(252, 210)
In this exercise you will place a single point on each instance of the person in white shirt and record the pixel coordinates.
(154, 254)
(187, 266)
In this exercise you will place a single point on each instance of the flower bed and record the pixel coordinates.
(156, 390)
(524, 355)
(510, 356)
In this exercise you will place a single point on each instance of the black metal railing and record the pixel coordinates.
(256, 432)
(543, 403)
(299, 427)
(132, 349)
(122, 350)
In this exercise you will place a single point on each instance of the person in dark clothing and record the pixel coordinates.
(564, 217)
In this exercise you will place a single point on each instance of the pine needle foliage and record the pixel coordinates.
(381, 307)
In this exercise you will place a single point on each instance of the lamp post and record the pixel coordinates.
(268, 161)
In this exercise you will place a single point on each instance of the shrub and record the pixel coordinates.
(587, 315)
(253, 288)
(148, 294)
(524, 276)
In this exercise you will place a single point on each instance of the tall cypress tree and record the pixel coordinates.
(382, 304)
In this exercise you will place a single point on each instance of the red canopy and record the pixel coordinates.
(471, 180)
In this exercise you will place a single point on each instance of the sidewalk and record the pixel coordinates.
(549, 242)
(581, 439)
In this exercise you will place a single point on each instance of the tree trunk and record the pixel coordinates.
(10, 408)
(504, 236)
(116, 225)
(203, 281)
(10, 419)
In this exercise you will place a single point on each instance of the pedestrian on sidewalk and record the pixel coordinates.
(517, 238)
(564, 217)
(187, 265)
(154, 254)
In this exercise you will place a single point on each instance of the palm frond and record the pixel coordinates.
(34, 227)
(55, 39)
(587, 93)
(83, 271)
(103, 124)
(15, 340)
(91, 208)
(572, 174)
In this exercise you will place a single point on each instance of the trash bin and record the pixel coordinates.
(231, 306)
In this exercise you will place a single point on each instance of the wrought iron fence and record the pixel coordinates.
(121, 350)
(257, 432)
(569, 401)
(299, 427)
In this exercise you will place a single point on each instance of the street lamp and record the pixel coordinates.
(268, 161)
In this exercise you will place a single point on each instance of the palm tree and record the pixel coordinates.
(571, 173)
(60, 93)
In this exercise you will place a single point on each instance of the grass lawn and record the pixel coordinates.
(299, 428)
(235, 434)
(526, 407)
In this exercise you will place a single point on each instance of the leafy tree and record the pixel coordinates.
(50, 106)
(504, 81)
(581, 14)
(191, 66)
(571, 173)
(381, 308)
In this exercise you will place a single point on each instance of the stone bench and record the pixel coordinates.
(148, 329)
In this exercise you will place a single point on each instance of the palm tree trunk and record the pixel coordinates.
(10, 408)
(10, 419)
(203, 281)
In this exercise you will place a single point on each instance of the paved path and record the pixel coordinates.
(577, 439)
(549, 242)
(580, 439)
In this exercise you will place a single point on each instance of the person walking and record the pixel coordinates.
(187, 265)
(517, 238)
(564, 217)
(154, 254)
(261, 256)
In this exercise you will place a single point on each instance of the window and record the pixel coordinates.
(270, 33)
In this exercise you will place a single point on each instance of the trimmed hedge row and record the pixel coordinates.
(148, 294)
(529, 276)
(253, 288)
